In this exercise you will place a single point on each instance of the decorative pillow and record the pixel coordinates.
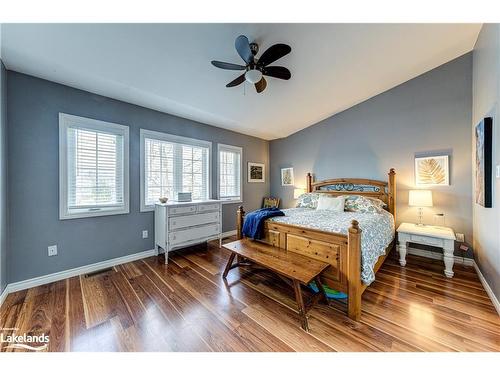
(308, 200)
(357, 203)
(326, 202)
(377, 202)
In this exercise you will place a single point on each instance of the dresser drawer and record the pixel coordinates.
(182, 210)
(191, 234)
(208, 207)
(426, 240)
(192, 220)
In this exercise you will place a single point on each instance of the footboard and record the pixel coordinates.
(342, 252)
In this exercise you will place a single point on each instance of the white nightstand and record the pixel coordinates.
(428, 235)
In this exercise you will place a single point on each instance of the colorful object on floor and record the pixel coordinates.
(330, 293)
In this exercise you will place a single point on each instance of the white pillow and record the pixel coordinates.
(326, 202)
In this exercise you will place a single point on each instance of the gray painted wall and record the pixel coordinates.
(486, 94)
(428, 114)
(33, 108)
(3, 178)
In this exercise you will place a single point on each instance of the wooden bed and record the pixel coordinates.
(341, 251)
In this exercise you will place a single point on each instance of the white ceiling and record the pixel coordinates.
(167, 66)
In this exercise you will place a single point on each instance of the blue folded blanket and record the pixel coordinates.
(254, 221)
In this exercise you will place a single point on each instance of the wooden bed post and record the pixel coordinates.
(354, 275)
(309, 183)
(391, 187)
(240, 216)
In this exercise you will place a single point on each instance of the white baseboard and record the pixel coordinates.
(229, 234)
(488, 289)
(41, 280)
(439, 256)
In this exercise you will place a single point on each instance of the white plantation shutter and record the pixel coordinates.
(93, 167)
(230, 161)
(173, 164)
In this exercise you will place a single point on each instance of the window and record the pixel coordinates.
(93, 168)
(230, 172)
(171, 164)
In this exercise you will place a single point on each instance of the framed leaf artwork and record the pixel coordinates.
(432, 171)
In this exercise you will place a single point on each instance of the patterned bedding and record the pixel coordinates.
(377, 231)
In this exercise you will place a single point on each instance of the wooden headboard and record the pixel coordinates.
(385, 191)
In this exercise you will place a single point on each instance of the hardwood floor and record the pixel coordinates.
(187, 306)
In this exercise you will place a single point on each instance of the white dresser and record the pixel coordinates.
(181, 224)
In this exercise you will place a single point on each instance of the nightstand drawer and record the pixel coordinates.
(426, 240)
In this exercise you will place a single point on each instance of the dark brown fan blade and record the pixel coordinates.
(242, 46)
(274, 53)
(237, 81)
(261, 85)
(276, 72)
(228, 66)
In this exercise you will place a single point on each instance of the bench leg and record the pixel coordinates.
(228, 265)
(301, 306)
(320, 288)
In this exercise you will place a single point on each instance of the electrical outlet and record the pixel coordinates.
(145, 234)
(52, 250)
(460, 237)
(498, 171)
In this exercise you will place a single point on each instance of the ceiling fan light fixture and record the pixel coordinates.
(253, 76)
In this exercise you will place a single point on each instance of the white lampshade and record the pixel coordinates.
(420, 198)
(297, 192)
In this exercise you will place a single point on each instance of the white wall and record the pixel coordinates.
(486, 94)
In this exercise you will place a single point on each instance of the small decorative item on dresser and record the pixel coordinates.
(428, 235)
(184, 197)
(287, 176)
(163, 200)
(420, 199)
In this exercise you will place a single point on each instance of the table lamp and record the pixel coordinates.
(297, 192)
(420, 199)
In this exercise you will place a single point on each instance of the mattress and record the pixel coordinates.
(377, 231)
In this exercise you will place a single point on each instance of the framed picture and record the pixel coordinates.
(287, 176)
(483, 178)
(256, 172)
(432, 171)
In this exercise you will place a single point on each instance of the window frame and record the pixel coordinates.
(67, 121)
(166, 137)
(222, 147)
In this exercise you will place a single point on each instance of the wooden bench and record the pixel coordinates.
(289, 265)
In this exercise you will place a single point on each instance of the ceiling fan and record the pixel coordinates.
(256, 69)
